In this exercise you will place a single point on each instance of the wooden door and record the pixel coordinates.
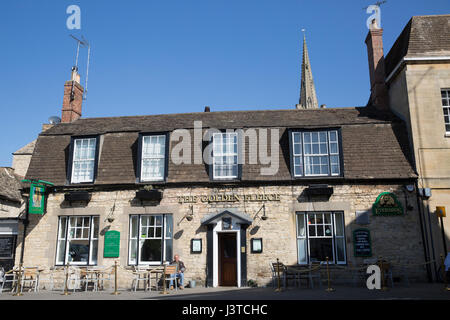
(227, 259)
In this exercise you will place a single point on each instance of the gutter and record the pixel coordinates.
(406, 60)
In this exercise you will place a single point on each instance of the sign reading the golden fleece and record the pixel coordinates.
(387, 204)
(222, 197)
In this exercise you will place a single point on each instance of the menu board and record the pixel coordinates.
(6, 246)
(112, 244)
(362, 243)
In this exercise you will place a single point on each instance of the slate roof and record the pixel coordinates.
(423, 36)
(374, 145)
(10, 185)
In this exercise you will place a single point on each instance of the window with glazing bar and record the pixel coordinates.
(321, 235)
(153, 157)
(315, 153)
(83, 164)
(77, 242)
(225, 155)
(150, 239)
(445, 94)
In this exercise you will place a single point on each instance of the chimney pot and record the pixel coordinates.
(207, 109)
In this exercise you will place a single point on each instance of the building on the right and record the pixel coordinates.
(417, 80)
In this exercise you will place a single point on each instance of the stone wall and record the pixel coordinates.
(394, 238)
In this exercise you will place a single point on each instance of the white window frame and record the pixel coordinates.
(161, 156)
(302, 155)
(140, 240)
(446, 108)
(66, 237)
(229, 155)
(306, 237)
(87, 159)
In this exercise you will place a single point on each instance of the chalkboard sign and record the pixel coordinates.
(112, 244)
(362, 243)
(7, 247)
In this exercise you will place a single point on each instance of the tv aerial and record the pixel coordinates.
(85, 44)
(378, 3)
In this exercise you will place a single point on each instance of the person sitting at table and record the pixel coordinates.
(181, 268)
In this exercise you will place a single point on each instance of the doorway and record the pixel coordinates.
(227, 259)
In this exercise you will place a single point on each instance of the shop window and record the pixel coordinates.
(77, 242)
(315, 153)
(321, 235)
(83, 160)
(150, 239)
(153, 158)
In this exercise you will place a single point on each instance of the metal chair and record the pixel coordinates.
(30, 277)
(171, 274)
(88, 277)
(140, 274)
(7, 277)
(311, 274)
(285, 273)
(105, 275)
(47, 279)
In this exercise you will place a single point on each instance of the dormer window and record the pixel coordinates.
(153, 157)
(225, 156)
(83, 159)
(315, 153)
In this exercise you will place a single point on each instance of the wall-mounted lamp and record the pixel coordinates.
(264, 217)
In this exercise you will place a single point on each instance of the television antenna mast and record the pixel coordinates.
(85, 44)
(378, 3)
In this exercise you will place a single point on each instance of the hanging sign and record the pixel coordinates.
(362, 243)
(112, 244)
(37, 199)
(387, 204)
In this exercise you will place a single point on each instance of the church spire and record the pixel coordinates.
(308, 97)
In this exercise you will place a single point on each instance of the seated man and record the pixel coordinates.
(181, 269)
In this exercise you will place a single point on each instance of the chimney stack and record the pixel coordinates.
(73, 98)
(378, 90)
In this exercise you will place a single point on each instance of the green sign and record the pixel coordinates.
(112, 244)
(37, 199)
(361, 243)
(387, 204)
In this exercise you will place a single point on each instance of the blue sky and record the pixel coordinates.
(151, 57)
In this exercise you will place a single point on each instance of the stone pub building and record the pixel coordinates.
(298, 184)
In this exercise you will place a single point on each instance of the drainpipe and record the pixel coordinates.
(431, 236)
(424, 234)
(25, 225)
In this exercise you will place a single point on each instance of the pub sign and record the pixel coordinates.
(387, 204)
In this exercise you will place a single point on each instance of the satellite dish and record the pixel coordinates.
(54, 120)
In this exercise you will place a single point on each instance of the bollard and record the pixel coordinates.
(19, 282)
(329, 289)
(115, 279)
(383, 280)
(66, 289)
(278, 277)
(444, 274)
(164, 281)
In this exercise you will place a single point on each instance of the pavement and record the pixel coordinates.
(417, 291)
